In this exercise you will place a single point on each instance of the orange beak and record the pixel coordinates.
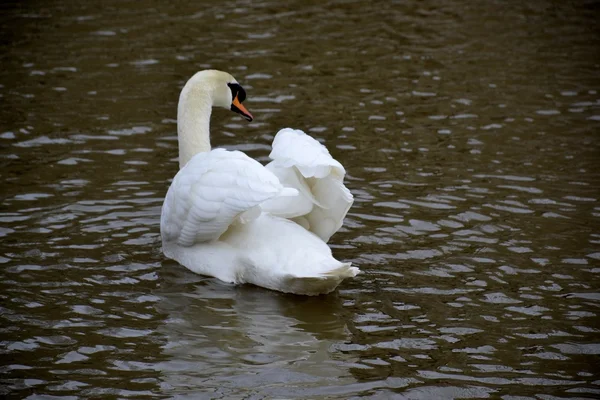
(239, 108)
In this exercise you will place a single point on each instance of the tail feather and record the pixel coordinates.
(322, 283)
(343, 272)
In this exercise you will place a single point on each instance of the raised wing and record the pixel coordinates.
(212, 191)
(302, 163)
(294, 148)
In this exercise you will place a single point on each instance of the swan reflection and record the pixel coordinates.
(243, 336)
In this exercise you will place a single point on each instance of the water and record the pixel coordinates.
(470, 136)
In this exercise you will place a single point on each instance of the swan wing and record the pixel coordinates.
(302, 163)
(294, 148)
(214, 190)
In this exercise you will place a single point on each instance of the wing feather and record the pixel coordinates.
(301, 162)
(294, 148)
(211, 192)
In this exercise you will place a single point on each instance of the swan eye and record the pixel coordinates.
(237, 90)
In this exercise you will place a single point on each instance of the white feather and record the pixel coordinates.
(301, 162)
(211, 192)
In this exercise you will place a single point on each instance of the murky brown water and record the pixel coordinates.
(470, 134)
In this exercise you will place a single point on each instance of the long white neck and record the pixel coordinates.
(193, 121)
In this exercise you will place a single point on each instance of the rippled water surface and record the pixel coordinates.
(470, 134)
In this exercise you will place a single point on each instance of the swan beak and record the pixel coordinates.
(240, 109)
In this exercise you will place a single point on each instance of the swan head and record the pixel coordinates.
(226, 91)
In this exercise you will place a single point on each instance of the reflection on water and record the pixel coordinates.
(469, 132)
(241, 338)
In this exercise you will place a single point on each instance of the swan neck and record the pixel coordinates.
(193, 122)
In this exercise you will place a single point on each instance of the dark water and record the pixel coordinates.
(470, 134)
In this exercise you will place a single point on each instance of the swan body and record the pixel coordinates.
(226, 215)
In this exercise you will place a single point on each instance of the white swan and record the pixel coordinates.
(226, 215)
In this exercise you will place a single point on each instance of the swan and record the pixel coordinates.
(227, 216)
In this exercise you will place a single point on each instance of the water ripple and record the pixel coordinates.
(475, 218)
